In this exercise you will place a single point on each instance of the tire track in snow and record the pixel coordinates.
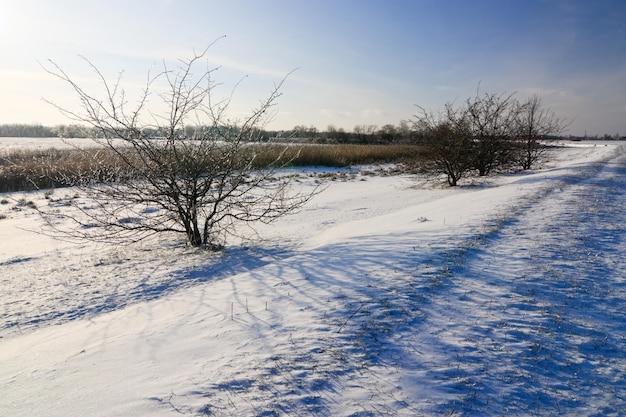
(530, 320)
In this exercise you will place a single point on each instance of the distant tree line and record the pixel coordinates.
(80, 131)
(40, 131)
(361, 134)
(364, 134)
(606, 136)
(369, 134)
(24, 130)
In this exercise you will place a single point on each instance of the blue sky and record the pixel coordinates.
(358, 62)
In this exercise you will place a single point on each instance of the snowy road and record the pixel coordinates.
(530, 319)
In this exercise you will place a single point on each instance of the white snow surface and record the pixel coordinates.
(383, 296)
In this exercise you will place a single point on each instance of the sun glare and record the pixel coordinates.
(9, 21)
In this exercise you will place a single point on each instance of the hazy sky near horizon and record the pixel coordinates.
(356, 61)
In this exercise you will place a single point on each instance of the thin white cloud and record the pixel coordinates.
(372, 113)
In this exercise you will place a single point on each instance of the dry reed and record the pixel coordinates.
(24, 170)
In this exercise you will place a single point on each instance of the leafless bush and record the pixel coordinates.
(447, 140)
(198, 185)
(485, 134)
(535, 123)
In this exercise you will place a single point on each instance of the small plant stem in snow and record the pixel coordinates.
(352, 315)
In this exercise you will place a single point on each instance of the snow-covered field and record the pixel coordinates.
(384, 296)
(9, 143)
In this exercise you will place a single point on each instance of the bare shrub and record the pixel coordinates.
(447, 140)
(485, 134)
(535, 123)
(492, 122)
(198, 184)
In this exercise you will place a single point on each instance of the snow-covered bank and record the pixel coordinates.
(501, 298)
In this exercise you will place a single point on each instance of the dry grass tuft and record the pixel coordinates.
(339, 155)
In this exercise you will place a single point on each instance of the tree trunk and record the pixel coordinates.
(195, 238)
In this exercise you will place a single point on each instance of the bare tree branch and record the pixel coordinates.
(196, 184)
